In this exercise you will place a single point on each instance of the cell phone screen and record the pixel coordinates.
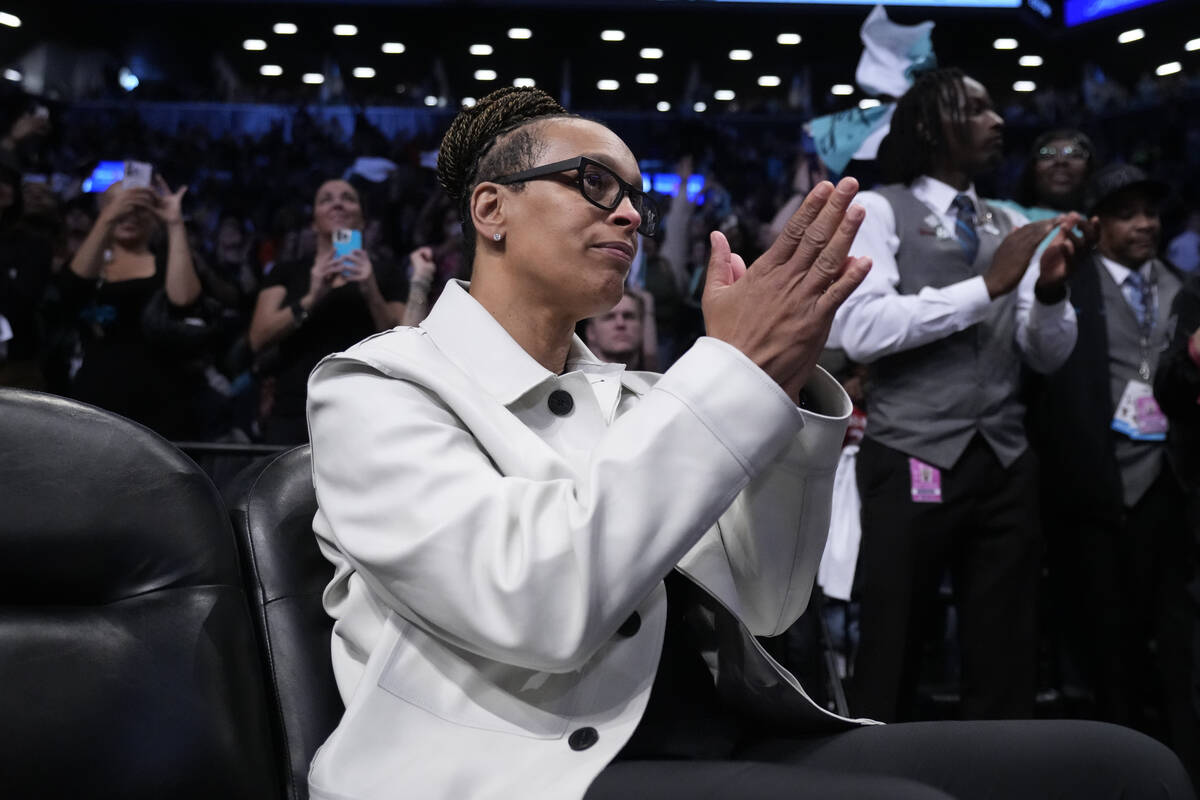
(345, 241)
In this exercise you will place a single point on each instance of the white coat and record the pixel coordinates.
(487, 549)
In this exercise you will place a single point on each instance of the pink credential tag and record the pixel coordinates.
(926, 482)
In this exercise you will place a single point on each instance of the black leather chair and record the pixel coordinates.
(272, 507)
(128, 665)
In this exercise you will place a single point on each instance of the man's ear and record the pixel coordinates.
(486, 208)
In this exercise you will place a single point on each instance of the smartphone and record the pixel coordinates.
(345, 241)
(137, 174)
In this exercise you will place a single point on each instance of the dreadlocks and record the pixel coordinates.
(918, 135)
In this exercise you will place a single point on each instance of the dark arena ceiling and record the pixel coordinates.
(180, 48)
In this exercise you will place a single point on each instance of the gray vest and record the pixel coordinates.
(930, 401)
(1139, 462)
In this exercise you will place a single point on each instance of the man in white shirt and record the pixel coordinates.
(944, 320)
(1118, 551)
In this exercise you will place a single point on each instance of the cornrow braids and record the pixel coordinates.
(490, 139)
(917, 136)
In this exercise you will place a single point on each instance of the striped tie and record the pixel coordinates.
(1141, 299)
(964, 227)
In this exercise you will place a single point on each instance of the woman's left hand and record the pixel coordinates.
(357, 268)
(170, 204)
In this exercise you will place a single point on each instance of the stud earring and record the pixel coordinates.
(497, 236)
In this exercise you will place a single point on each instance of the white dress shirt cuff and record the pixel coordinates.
(743, 407)
(970, 296)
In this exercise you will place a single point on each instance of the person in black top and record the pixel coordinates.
(24, 272)
(112, 280)
(305, 311)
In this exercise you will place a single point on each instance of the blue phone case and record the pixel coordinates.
(346, 241)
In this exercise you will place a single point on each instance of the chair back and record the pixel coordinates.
(128, 661)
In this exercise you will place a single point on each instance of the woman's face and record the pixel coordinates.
(336, 206)
(133, 228)
(1060, 177)
(566, 252)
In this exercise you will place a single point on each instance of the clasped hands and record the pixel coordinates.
(779, 310)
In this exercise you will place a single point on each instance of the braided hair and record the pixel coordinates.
(917, 136)
(490, 139)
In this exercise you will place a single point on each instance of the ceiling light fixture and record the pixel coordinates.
(647, 77)
(1024, 86)
(608, 85)
(468, 102)
(663, 105)
(612, 36)
(12, 75)
(841, 89)
(430, 100)
(1005, 44)
(700, 107)
(285, 28)
(788, 38)
(1194, 44)
(313, 78)
(868, 102)
(723, 94)
(769, 80)
(364, 72)
(481, 49)
(10, 20)
(485, 74)
(254, 44)
(1170, 68)
(345, 30)
(651, 52)
(392, 48)
(740, 55)
(520, 33)
(270, 70)
(1133, 35)
(524, 83)
(1030, 61)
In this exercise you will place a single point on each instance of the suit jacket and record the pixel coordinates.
(492, 541)
(1072, 412)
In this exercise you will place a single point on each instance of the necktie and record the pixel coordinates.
(1140, 300)
(964, 226)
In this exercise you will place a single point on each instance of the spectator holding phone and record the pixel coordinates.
(309, 309)
(112, 279)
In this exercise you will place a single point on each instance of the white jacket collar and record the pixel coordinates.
(459, 326)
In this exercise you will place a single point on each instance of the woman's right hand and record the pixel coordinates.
(779, 311)
(325, 270)
(424, 266)
(125, 201)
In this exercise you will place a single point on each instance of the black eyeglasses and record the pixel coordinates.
(598, 184)
(1072, 152)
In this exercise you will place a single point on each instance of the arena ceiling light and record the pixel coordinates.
(1194, 44)
(651, 53)
(1024, 86)
(431, 100)
(663, 105)
(285, 28)
(313, 78)
(1170, 68)
(1133, 35)
(769, 80)
(9, 20)
(740, 55)
(392, 48)
(1005, 44)
(524, 83)
(608, 85)
(788, 38)
(468, 102)
(841, 89)
(345, 30)
(254, 44)
(520, 33)
(868, 102)
(612, 35)
(270, 70)
(12, 75)
(647, 77)
(364, 72)
(700, 107)
(485, 74)
(724, 95)
(1030, 61)
(481, 49)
